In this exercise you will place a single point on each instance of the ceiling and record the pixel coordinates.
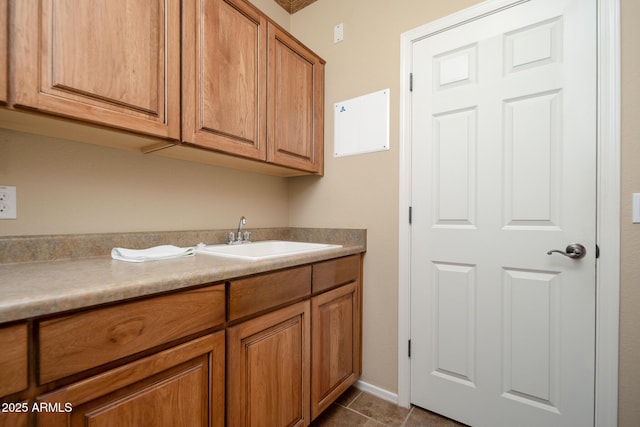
(292, 6)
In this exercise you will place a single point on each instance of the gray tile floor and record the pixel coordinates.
(358, 408)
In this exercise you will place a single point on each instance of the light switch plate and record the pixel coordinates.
(635, 210)
(338, 33)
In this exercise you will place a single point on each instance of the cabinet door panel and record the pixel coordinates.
(182, 386)
(335, 343)
(13, 359)
(268, 369)
(16, 419)
(296, 104)
(113, 62)
(224, 77)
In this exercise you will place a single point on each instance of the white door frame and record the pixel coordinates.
(608, 200)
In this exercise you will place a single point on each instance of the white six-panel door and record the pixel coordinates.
(503, 167)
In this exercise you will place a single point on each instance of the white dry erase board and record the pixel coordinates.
(362, 124)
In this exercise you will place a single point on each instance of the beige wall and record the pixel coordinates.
(68, 187)
(275, 12)
(629, 386)
(362, 191)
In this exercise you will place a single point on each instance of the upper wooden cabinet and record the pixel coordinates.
(224, 77)
(212, 74)
(111, 62)
(249, 88)
(4, 51)
(295, 111)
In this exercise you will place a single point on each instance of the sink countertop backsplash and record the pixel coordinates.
(20, 249)
(47, 275)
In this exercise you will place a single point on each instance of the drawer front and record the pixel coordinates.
(255, 294)
(335, 272)
(13, 359)
(82, 341)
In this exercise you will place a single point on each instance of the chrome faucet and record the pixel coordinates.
(242, 222)
(240, 236)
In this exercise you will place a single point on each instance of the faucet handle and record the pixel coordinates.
(230, 238)
(247, 236)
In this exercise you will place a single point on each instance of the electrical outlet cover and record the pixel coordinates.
(8, 202)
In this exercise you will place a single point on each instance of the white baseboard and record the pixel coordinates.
(377, 391)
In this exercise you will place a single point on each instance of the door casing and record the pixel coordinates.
(608, 199)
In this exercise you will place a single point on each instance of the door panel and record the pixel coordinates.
(531, 337)
(453, 321)
(503, 170)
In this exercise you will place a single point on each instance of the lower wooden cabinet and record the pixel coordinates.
(288, 344)
(13, 418)
(14, 376)
(268, 372)
(336, 343)
(13, 359)
(181, 386)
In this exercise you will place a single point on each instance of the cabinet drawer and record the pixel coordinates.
(255, 294)
(13, 359)
(81, 341)
(335, 272)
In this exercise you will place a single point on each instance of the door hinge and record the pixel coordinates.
(409, 349)
(410, 82)
(410, 214)
(597, 251)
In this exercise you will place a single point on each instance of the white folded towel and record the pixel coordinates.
(151, 254)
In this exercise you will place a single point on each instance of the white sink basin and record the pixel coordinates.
(264, 249)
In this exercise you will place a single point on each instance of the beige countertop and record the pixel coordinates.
(40, 288)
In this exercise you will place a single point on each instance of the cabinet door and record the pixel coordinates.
(335, 332)
(224, 77)
(111, 62)
(268, 369)
(182, 386)
(13, 359)
(4, 51)
(295, 127)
